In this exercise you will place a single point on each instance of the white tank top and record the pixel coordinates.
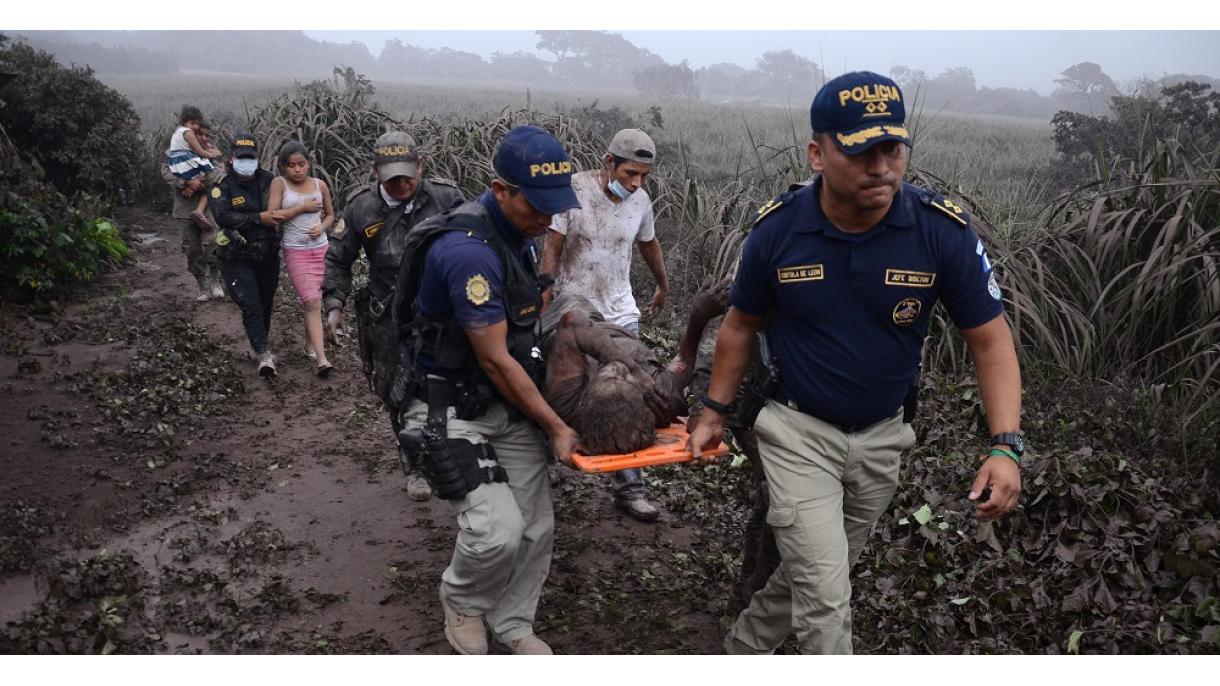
(296, 230)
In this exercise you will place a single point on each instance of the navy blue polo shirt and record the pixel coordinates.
(849, 312)
(463, 276)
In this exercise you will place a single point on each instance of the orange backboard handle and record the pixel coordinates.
(669, 448)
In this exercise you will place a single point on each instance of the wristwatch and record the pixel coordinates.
(718, 407)
(1012, 439)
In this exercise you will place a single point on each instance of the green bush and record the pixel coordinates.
(84, 134)
(49, 243)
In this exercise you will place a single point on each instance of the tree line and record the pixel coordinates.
(567, 59)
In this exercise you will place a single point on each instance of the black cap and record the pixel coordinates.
(243, 145)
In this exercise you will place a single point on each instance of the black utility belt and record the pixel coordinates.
(781, 396)
(469, 400)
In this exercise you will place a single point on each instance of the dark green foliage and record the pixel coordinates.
(84, 133)
(49, 242)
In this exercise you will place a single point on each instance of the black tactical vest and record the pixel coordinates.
(442, 339)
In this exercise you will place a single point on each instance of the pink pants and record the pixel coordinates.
(305, 267)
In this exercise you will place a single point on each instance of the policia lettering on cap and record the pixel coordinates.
(843, 274)
(467, 305)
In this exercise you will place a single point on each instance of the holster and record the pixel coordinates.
(451, 465)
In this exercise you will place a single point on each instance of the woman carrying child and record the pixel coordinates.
(306, 205)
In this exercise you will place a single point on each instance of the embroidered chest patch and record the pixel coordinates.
(906, 277)
(805, 272)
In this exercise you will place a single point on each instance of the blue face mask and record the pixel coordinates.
(245, 166)
(617, 189)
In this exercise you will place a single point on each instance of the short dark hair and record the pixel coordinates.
(204, 126)
(189, 113)
(288, 149)
(615, 160)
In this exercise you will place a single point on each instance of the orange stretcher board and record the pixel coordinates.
(670, 447)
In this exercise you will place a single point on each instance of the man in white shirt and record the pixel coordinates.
(589, 252)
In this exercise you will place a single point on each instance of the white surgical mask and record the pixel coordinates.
(618, 189)
(245, 166)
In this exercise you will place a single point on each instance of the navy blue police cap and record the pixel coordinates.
(243, 145)
(859, 110)
(533, 160)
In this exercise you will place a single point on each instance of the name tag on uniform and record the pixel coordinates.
(905, 277)
(804, 272)
(237, 201)
(372, 229)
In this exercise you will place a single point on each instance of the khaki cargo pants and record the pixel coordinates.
(827, 488)
(505, 531)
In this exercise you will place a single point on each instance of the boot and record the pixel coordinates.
(467, 635)
(529, 645)
(218, 288)
(418, 487)
(638, 509)
(205, 289)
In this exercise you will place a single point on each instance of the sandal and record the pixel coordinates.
(325, 369)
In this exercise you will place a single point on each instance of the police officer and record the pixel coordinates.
(377, 218)
(248, 245)
(468, 303)
(848, 270)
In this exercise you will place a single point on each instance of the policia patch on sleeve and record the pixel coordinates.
(478, 291)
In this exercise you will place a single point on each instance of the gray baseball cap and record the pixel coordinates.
(395, 154)
(634, 145)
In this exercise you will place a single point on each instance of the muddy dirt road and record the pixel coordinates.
(159, 497)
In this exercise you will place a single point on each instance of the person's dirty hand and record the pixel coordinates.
(335, 326)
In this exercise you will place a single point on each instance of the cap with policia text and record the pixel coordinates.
(395, 154)
(243, 145)
(860, 109)
(633, 145)
(535, 161)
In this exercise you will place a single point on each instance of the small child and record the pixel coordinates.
(188, 157)
(304, 204)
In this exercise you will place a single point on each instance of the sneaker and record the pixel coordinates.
(418, 487)
(266, 365)
(638, 509)
(467, 635)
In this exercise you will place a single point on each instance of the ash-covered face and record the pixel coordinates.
(611, 416)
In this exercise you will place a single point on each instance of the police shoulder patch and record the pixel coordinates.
(770, 206)
(948, 207)
(216, 192)
(478, 291)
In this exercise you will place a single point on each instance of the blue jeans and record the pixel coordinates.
(628, 484)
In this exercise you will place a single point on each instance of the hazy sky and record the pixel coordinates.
(1016, 59)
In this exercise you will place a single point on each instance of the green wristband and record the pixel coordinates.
(1006, 453)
